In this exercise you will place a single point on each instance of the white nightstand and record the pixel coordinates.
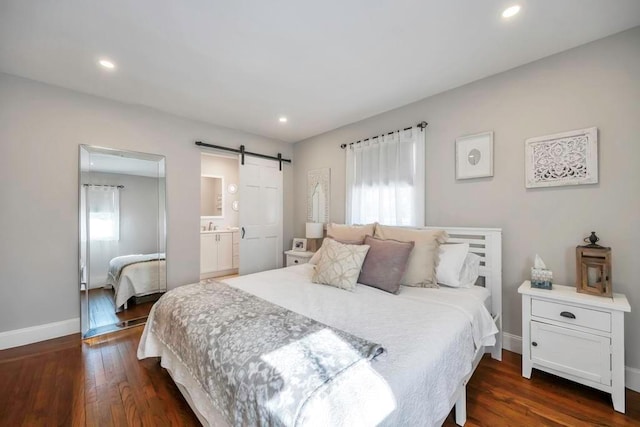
(298, 257)
(575, 336)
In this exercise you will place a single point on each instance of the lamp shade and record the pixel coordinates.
(315, 230)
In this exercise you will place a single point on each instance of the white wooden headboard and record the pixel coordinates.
(487, 243)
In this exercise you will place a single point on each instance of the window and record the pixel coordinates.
(385, 179)
(104, 213)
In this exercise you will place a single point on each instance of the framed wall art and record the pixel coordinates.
(318, 195)
(474, 156)
(567, 158)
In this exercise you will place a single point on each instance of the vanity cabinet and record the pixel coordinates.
(236, 249)
(216, 253)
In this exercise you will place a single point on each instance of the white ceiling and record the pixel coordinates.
(110, 163)
(323, 64)
(107, 160)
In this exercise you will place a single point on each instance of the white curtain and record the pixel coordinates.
(386, 180)
(104, 213)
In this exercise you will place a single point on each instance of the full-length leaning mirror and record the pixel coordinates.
(122, 265)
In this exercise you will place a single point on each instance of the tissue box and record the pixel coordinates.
(541, 278)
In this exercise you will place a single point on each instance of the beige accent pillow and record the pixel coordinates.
(340, 265)
(421, 266)
(316, 256)
(350, 232)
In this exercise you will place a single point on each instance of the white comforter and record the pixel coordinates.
(139, 279)
(429, 338)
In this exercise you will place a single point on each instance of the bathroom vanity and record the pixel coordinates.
(219, 252)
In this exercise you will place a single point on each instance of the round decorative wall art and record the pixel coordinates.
(474, 156)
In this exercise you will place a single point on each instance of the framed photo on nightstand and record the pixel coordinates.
(299, 245)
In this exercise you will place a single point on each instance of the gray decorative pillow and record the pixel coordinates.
(385, 263)
(340, 264)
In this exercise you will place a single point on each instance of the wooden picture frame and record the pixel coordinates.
(474, 156)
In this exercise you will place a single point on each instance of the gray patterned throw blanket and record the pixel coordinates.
(258, 362)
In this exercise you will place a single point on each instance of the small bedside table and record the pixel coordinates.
(297, 257)
(576, 336)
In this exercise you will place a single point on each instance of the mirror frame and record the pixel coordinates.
(84, 150)
(222, 192)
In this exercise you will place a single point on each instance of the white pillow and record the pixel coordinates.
(340, 265)
(470, 270)
(316, 257)
(452, 259)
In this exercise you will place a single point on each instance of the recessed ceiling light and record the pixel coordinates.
(282, 119)
(107, 64)
(511, 11)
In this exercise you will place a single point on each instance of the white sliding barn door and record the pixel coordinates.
(260, 194)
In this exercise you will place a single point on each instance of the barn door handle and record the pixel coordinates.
(242, 233)
(568, 315)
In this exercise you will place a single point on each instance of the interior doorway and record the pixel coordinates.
(219, 216)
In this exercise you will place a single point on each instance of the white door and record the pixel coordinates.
(260, 193)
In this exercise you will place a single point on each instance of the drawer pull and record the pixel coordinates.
(295, 261)
(568, 315)
(535, 344)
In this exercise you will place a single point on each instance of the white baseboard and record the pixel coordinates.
(33, 334)
(632, 378)
(514, 343)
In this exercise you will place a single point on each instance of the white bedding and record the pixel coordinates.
(139, 279)
(430, 337)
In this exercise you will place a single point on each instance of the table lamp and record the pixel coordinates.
(314, 231)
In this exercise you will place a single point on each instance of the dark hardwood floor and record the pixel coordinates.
(100, 382)
(102, 309)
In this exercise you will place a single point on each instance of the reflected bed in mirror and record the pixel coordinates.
(122, 237)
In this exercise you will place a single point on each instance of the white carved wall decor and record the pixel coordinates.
(568, 158)
(318, 195)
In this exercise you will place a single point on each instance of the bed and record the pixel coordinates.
(136, 276)
(433, 340)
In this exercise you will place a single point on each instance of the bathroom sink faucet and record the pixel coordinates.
(210, 224)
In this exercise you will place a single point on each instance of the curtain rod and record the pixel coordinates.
(420, 125)
(243, 152)
(103, 185)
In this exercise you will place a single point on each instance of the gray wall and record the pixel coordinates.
(41, 127)
(139, 216)
(597, 84)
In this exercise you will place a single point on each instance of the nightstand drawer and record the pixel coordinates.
(572, 315)
(294, 260)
